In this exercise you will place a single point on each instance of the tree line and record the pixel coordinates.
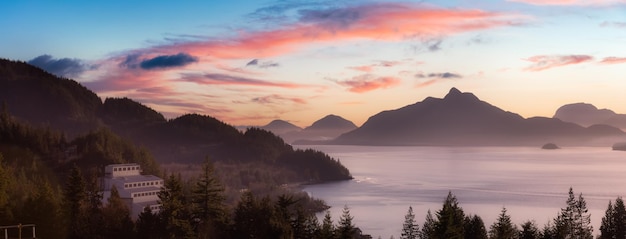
(572, 222)
(189, 209)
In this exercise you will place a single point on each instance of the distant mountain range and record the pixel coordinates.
(587, 115)
(462, 119)
(325, 128)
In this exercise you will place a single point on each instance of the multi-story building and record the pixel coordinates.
(137, 190)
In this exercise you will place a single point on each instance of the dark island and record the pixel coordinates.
(550, 146)
(620, 146)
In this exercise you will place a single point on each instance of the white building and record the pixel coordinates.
(138, 191)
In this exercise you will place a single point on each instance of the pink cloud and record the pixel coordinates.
(427, 83)
(543, 62)
(370, 68)
(613, 60)
(572, 2)
(274, 99)
(223, 79)
(367, 69)
(382, 21)
(368, 82)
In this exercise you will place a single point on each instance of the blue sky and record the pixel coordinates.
(249, 62)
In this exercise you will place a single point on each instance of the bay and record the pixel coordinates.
(530, 182)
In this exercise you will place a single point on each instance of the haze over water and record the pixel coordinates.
(530, 182)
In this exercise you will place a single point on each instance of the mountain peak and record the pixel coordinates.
(456, 95)
(454, 91)
(331, 122)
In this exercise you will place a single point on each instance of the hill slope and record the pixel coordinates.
(37, 97)
(43, 99)
(461, 119)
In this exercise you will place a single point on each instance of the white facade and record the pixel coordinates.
(139, 191)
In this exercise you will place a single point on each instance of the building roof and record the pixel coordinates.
(137, 178)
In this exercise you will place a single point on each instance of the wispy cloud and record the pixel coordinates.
(433, 78)
(371, 67)
(166, 61)
(544, 62)
(572, 2)
(277, 99)
(265, 64)
(224, 79)
(613, 24)
(368, 82)
(443, 75)
(64, 67)
(136, 60)
(613, 60)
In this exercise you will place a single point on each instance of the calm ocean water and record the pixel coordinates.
(530, 182)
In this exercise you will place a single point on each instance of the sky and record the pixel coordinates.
(250, 62)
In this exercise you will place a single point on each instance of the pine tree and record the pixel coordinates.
(574, 220)
(582, 220)
(147, 225)
(607, 227)
(5, 213)
(619, 218)
(328, 229)
(92, 218)
(428, 230)
(43, 209)
(410, 229)
(117, 221)
(208, 200)
(529, 231)
(74, 202)
(475, 228)
(174, 214)
(450, 219)
(502, 228)
(345, 229)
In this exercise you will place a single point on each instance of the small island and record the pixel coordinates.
(550, 146)
(620, 146)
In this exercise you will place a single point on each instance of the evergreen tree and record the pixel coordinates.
(147, 225)
(345, 229)
(410, 229)
(5, 212)
(208, 199)
(43, 209)
(619, 218)
(614, 221)
(282, 220)
(93, 217)
(529, 231)
(328, 228)
(174, 214)
(475, 228)
(428, 230)
(253, 218)
(74, 202)
(502, 228)
(450, 219)
(311, 227)
(117, 221)
(574, 220)
(607, 227)
(549, 232)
